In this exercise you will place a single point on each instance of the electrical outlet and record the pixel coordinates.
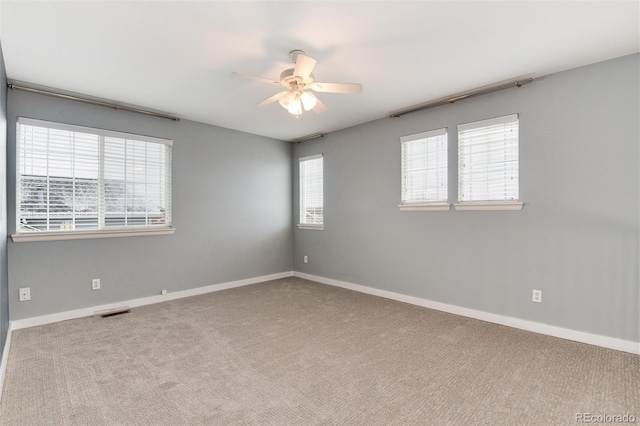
(95, 284)
(24, 294)
(163, 292)
(306, 259)
(537, 296)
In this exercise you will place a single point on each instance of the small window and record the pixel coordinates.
(424, 171)
(488, 166)
(74, 180)
(311, 196)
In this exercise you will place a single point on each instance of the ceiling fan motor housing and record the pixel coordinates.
(287, 79)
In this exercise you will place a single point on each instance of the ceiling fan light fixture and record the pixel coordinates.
(309, 100)
(295, 107)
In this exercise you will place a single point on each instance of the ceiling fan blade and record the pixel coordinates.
(320, 107)
(272, 99)
(304, 66)
(353, 88)
(254, 78)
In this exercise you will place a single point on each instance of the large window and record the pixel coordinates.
(79, 180)
(311, 197)
(424, 171)
(488, 167)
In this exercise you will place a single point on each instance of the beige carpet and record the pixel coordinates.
(293, 352)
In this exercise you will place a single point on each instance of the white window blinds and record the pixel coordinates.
(72, 178)
(488, 167)
(311, 196)
(424, 167)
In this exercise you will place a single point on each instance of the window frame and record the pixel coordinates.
(424, 204)
(102, 231)
(301, 223)
(491, 204)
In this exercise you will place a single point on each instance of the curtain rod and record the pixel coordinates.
(456, 98)
(307, 138)
(90, 101)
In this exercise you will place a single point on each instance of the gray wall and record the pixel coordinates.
(576, 238)
(231, 210)
(4, 282)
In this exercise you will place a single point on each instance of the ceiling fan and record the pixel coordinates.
(297, 81)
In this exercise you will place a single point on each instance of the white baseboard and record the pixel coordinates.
(536, 327)
(87, 312)
(5, 359)
(550, 330)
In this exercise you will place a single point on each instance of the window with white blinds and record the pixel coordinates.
(75, 179)
(311, 196)
(488, 168)
(424, 169)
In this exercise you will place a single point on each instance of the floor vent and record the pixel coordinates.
(113, 312)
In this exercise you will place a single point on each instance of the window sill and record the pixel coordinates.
(83, 235)
(415, 207)
(489, 205)
(311, 227)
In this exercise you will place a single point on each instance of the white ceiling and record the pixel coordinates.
(178, 56)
